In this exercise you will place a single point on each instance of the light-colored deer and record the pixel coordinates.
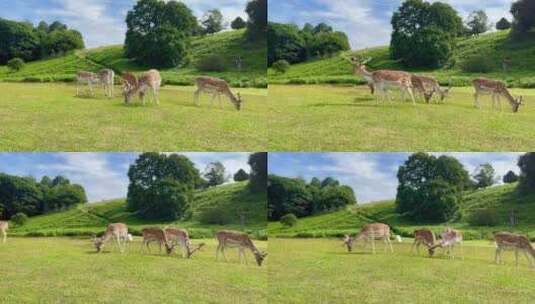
(449, 238)
(4, 226)
(370, 233)
(230, 239)
(427, 86)
(423, 236)
(158, 235)
(107, 78)
(216, 87)
(83, 78)
(118, 231)
(516, 242)
(384, 80)
(147, 80)
(180, 237)
(496, 89)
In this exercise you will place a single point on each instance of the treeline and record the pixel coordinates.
(31, 197)
(23, 40)
(296, 196)
(293, 44)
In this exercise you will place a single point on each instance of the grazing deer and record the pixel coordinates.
(155, 235)
(516, 242)
(496, 89)
(180, 237)
(229, 238)
(132, 85)
(118, 231)
(216, 87)
(423, 236)
(83, 77)
(107, 78)
(384, 80)
(370, 232)
(427, 86)
(449, 238)
(4, 225)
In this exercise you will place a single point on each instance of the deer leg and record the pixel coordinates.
(497, 257)
(212, 101)
(390, 244)
(196, 97)
(516, 257)
(413, 246)
(217, 252)
(476, 100)
(411, 94)
(219, 99)
(373, 245)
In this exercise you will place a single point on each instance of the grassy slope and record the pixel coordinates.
(92, 218)
(501, 199)
(229, 45)
(495, 45)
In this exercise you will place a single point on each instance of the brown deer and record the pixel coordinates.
(4, 226)
(229, 238)
(516, 242)
(216, 87)
(180, 237)
(132, 86)
(423, 236)
(427, 86)
(449, 238)
(84, 77)
(496, 89)
(107, 78)
(118, 231)
(158, 235)
(370, 233)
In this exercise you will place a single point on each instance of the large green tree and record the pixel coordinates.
(17, 39)
(285, 43)
(526, 163)
(214, 174)
(484, 176)
(257, 23)
(523, 12)
(478, 22)
(213, 22)
(258, 175)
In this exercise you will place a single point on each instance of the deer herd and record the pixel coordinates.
(381, 82)
(448, 240)
(150, 82)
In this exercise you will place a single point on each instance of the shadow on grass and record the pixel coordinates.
(358, 105)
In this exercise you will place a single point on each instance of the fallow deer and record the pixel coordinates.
(158, 235)
(370, 233)
(449, 238)
(118, 231)
(132, 85)
(496, 89)
(229, 238)
(180, 237)
(107, 78)
(89, 78)
(427, 86)
(4, 226)
(423, 236)
(516, 242)
(216, 87)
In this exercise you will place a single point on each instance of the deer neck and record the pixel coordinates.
(364, 73)
(504, 92)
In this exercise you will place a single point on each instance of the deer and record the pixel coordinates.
(449, 238)
(180, 237)
(516, 242)
(83, 77)
(132, 85)
(4, 226)
(107, 78)
(423, 83)
(118, 231)
(216, 87)
(370, 232)
(384, 80)
(229, 238)
(155, 234)
(496, 89)
(423, 236)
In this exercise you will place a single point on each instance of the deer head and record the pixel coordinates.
(359, 64)
(237, 101)
(260, 256)
(130, 85)
(446, 92)
(191, 251)
(517, 104)
(169, 248)
(98, 242)
(348, 242)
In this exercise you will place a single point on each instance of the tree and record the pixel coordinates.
(17, 39)
(328, 43)
(19, 194)
(510, 177)
(478, 22)
(334, 197)
(238, 23)
(440, 201)
(42, 26)
(288, 220)
(59, 42)
(158, 32)
(257, 23)
(57, 26)
(214, 174)
(503, 24)
(19, 219)
(258, 176)
(484, 176)
(285, 43)
(526, 163)
(287, 195)
(322, 28)
(241, 175)
(213, 21)
(523, 12)
(281, 66)
(328, 182)
(15, 64)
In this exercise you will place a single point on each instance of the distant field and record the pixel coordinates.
(61, 270)
(335, 118)
(321, 271)
(48, 117)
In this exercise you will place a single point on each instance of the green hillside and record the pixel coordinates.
(229, 45)
(499, 199)
(88, 219)
(495, 45)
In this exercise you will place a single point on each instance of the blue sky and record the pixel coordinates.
(102, 22)
(103, 175)
(372, 175)
(367, 22)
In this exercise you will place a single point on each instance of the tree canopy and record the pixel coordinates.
(213, 22)
(503, 24)
(523, 12)
(238, 23)
(478, 22)
(526, 163)
(214, 174)
(257, 22)
(259, 172)
(484, 176)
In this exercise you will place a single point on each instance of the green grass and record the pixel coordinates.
(337, 118)
(321, 271)
(48, 117)
(60, 270)
(494, 46)
(87, 219)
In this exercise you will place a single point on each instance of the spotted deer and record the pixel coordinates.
(516, 242)
(370, 233)
(216, 87)
(427, 86)
(147, 80)
(107, 78)
(496, 89)
(158, 235)
(180, 237)
(449, 238)
(233, 239)
(4, 226)
(423, 237)
(84, 77)
(117, 231)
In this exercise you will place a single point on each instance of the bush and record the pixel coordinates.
(289, 220)
(484, 217)
(215, 216)
(19, 219)
(15, 64)
(212, 63)
(281, 66)
(477, 64)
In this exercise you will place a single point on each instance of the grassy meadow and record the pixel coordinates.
(322, 271)
(70, 271)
